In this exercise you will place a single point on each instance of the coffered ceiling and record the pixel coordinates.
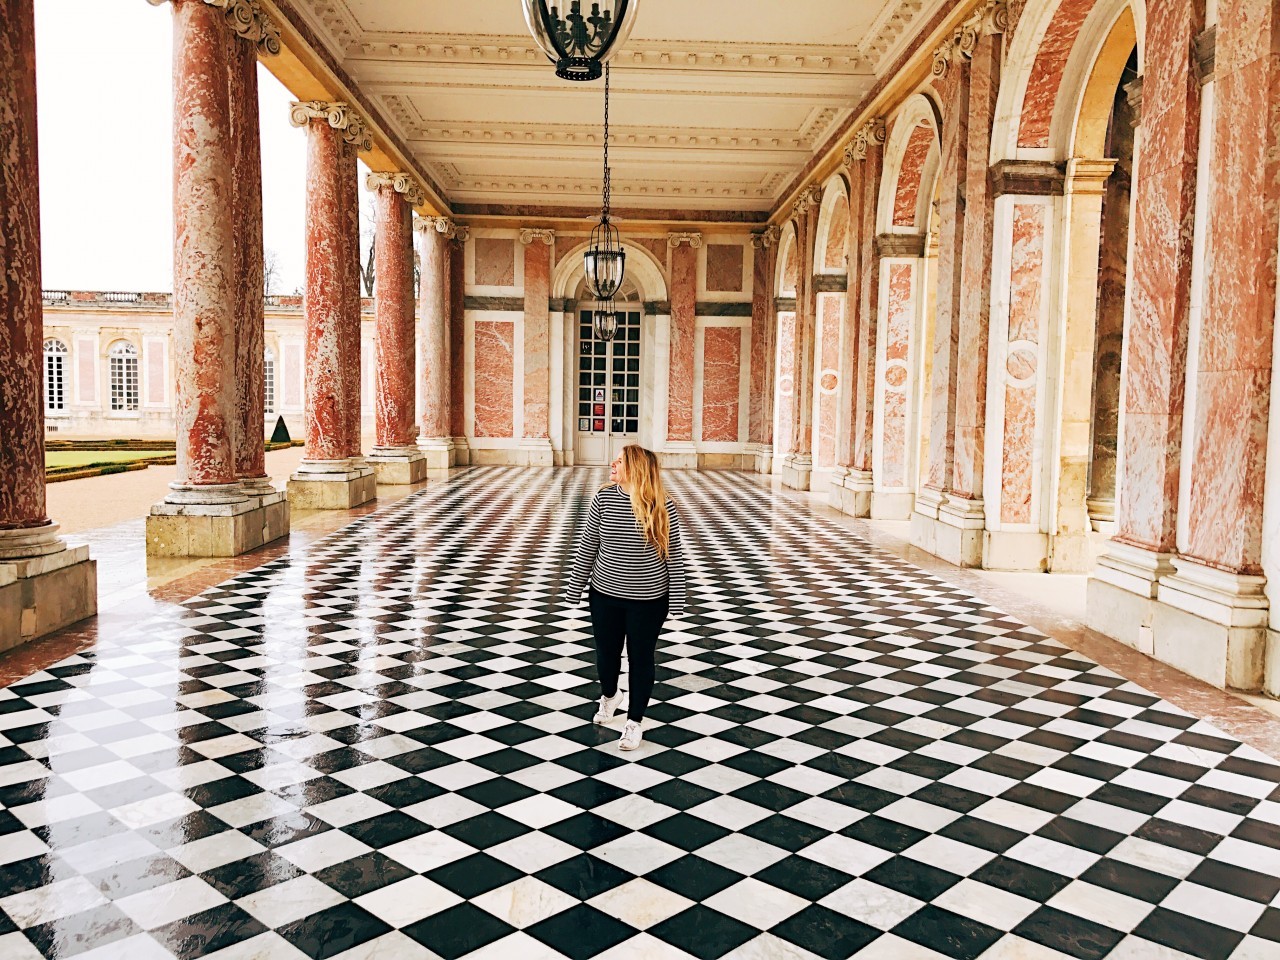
(716, 104)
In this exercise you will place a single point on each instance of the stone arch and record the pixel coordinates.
(831, 238)
(643, 269)
(788, 263)
(912, 154)
(1050, 61)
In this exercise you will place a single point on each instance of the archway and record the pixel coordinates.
(832, 374)
(786, 279)
(638, 357)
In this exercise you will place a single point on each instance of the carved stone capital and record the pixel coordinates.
(340, 116)
(461, 233)
(1027, 178)
(530, 234)
(870, 134)
(447, 228)
(991, 18)
(693, 239)
(403, 183)
(248, 21)
(1133, 93)
(809, 197)
(766, 238)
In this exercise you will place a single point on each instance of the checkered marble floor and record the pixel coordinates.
(382, 747)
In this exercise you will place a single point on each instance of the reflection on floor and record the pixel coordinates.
(379, 745)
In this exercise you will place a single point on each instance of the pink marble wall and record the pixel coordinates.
(495, 353)
(291, 372)
(1046, 73)
(1233, 376)
(1026, 281)
(907, 196)
(833, 255)
(537, 339)
(86, 370)
(975, 272)
(457, 289)
(830, 316)
(721, 383)
(157, 374)
(806, 334)
(655, 245)
(857, 276)
(1154, 370)
(724, 267)
(760, 415)
(790, 271)
(495, 262)
(784, 432)
(896, 384)
(868, 318)
(684, 296)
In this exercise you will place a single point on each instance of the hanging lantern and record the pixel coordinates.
(577, 43)
(604, 260)
(604, 321)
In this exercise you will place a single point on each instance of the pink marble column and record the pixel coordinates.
(395, 412)
(805, 334)
(25, 530)
(1154, 366)
(247, 216)
(204, 267)
(352, 312)
(326, 303)
(763, 322)
(684, 306)
(457, 344)
(784, 438)
(867, 325)
(537, 343)
(433, 333)
(1233, 373)
(855, 270)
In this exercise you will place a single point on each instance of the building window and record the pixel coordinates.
(55, 376)
(123, 358)
(269, 382)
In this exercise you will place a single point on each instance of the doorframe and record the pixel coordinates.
(648, 275)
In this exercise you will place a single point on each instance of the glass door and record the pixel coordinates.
(608, 405)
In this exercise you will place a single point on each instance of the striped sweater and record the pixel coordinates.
(614, 557)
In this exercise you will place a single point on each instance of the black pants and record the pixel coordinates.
(637, 623)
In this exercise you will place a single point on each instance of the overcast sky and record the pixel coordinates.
(104, 109)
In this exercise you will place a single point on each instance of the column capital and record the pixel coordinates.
(810, 196)
(339, 115)
(449, 229)
(403, 183)
(870, 134)
(1133, 93)
(990, 18)
(693, 238)
(249, 22)
(766, 238)
(530, 234)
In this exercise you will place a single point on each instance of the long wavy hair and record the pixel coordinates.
(648, 496)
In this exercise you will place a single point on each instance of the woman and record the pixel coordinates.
(632, 559)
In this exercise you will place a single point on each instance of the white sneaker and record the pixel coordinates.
(631, 736)
(608, 706)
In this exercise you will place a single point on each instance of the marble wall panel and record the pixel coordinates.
(537, 340)
(896, 385)
(292, 374)
(1046, 74)
(721, 383)
(724, 267)
(907, 195)
(1026, 288)
(784, 429)
(457, 339)
(656, 246)
(495, 351)
(830, 317)
(495, 261)
(684, 292)
(762, 344)
(833, 255)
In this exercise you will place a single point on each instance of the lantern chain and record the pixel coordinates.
(607, 184)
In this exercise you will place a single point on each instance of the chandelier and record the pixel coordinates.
(577, 43)
(604, 260)
(604, 321)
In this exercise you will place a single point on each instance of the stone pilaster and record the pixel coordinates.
(327, 478)
(396, 458)
(435, 439)
(457, 312)
(679, 450)
(43, 585)
(535, 443)
(797, 464)
(764, 246)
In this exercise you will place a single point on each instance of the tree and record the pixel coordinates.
(270, 271)
(367, 230)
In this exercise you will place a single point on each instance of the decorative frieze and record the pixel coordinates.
(339, 115)
(766, 238)
(991, 18)
(529, 234)
(870, 134)
(403, 183)
(249, 22)
(693, 239)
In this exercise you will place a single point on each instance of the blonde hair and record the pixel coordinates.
(648, 496)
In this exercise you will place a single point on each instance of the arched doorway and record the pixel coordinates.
(608, 376)
(784, 405)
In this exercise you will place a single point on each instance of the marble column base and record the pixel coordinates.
(1020, 550)
(1212, 624)
(951, 528)
(1102, 513)
(892, 504)
(726, 461)
(535, 452)
(1271, 672)
(338, 489)
(216, 530)
(1120, 598)
(762, 456)
(398, 466)
(851, 492)
(679, 455)
(440, 454)
(41, 594)
(797, 471)
(461, 451)
(1071, 553)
